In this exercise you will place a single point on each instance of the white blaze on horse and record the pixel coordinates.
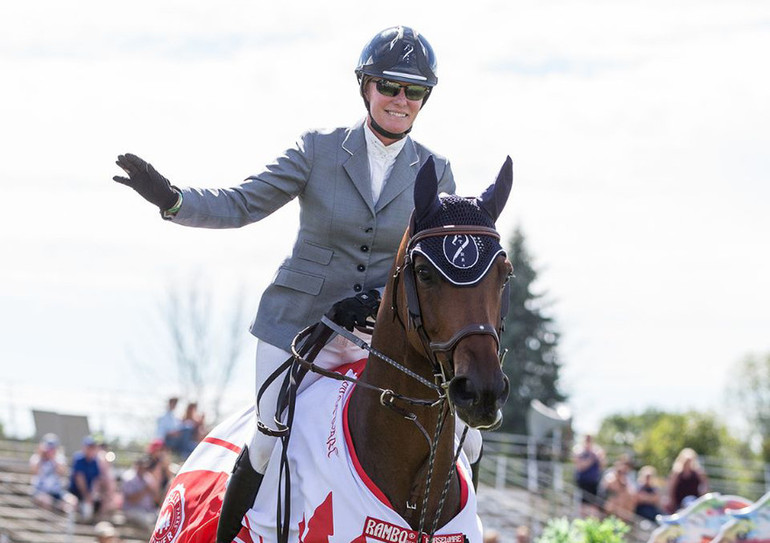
(373, 455)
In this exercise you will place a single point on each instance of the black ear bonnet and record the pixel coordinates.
(463, 259)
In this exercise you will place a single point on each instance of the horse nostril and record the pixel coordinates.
(463, 392)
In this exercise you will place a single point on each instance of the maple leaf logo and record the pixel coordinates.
(321, 523)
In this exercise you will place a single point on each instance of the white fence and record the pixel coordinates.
(544, 470)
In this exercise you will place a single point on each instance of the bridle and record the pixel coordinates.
(443, 372)
(312, 339)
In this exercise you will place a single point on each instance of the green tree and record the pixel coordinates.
(748, 392)
(656, 437)
(623, 431)
(532, 363)
(672, 433)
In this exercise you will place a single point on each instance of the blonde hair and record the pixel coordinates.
(644, 471)
(684, 455)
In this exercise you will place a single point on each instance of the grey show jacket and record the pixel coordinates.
(345, 244)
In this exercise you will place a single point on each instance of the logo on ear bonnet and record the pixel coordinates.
(461, 251)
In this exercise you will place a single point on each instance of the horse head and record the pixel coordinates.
(455, 278)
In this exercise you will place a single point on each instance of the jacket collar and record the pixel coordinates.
(357, 166)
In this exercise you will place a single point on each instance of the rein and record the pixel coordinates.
(386, 399)
(387, 396)
(309, 342)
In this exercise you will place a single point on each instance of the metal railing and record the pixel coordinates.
(544, 470)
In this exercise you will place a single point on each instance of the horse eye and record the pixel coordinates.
(423, 273)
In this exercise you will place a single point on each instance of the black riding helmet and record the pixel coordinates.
(397, 53)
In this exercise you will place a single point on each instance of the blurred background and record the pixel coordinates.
(639, 134)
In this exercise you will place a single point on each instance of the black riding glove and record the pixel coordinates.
(355, 311)
(146, 180)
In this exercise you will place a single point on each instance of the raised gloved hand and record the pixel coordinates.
(146, 180)
(355, 311)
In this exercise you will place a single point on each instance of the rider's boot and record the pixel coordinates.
(239, 497)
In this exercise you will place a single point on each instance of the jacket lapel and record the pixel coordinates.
(357, 163)
(402, 176)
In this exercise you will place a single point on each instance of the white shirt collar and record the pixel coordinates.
(381, 151)
(381, 159)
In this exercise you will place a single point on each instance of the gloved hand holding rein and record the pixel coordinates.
(355, 311)
(146, 180)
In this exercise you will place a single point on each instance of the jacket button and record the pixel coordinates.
(361, 267)
(357, 287)
(369, 230)
(364, 248)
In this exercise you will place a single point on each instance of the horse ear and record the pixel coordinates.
(426, 201)
(494, 198)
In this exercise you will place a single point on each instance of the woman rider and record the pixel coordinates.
(354, 187)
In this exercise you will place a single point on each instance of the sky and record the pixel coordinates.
(638, 130)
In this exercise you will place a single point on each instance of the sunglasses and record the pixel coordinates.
(392, 88)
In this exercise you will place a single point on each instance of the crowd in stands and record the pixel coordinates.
(623, 492)
(91, 487)
(181, 435)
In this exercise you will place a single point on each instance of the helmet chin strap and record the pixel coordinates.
(386, 133)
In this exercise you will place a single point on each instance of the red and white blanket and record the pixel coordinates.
(333, 500)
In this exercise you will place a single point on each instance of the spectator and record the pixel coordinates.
(191, 431)
(491, 536)
(106, 485)
(84, 474)
(48, 467)
(194, 422)
(620, 496)
(106, 533)
(160, 465)
(168, 424)
(648, 494)
(141, 494)
(523, 534)
(686, 481)
(589, 465)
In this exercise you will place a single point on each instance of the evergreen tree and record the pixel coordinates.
(532, 363)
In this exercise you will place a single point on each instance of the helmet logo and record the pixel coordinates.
(461, 251)
(408, 50)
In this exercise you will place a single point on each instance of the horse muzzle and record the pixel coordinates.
(477, 387)
(479, 405)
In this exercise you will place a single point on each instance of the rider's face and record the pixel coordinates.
(395, 114)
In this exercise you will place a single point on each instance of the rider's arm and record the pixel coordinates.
(257, 197)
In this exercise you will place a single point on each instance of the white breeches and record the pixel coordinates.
(337, 352)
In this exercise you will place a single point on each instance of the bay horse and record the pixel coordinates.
(373, 452)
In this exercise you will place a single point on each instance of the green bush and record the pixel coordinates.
(590, 530)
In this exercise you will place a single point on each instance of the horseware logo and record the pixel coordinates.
(381, 530)
(171, 517)
(390, 533)
(461, 251)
